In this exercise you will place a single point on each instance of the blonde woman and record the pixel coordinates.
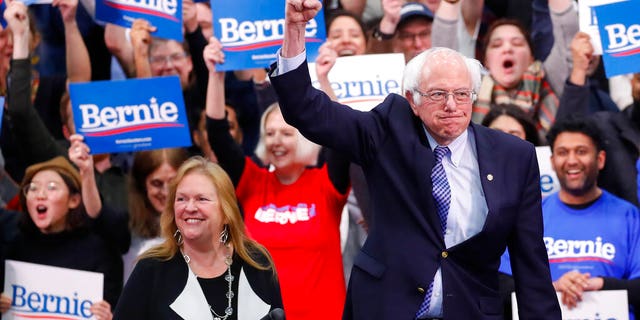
(207, 267)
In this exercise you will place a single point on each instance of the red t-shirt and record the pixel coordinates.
(299, 225)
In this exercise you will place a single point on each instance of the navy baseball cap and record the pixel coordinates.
(414, 9)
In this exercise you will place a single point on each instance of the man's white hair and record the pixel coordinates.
(413, 71)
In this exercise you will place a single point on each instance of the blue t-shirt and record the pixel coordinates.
(603, 239)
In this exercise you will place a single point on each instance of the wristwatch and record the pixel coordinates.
(380, 36)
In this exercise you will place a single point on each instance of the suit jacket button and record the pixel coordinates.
(421, 289)
(445, 254)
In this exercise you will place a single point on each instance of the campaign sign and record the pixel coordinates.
(549, 183)
(130, 115)
(595, 305)
(620, 35)
(165, 15)
(45, 292)
(358, 85)
(589, 23)
(251, 36)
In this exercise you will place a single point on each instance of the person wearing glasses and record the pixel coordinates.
(404, 28)
(447, 196)
(60, 227)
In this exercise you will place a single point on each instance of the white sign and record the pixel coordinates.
(363, 81)
(606, 304)
(548, 180)
(45, 292)
(589, 23)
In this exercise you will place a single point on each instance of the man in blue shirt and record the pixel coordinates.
(590, 234)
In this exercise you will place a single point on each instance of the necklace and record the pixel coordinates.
(229, 278)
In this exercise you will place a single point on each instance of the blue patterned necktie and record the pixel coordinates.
(442, 196)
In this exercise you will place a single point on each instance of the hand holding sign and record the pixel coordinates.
(213, 54)
(79, 155)
(5, 303)
(67, 9)
(572, 284)
(141, 35)
(101, 310)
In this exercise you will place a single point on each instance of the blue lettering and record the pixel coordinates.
(33, 301)
(44, 302)
(18, 296)
(59, 301)
(46, 297)
(546, 183)
(84, 309)
(351, 89)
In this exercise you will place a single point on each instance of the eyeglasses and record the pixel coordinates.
(33, 189)
(460, 96)
(409, 37)
(173, 58)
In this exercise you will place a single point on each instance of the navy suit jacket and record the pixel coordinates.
(405, 245)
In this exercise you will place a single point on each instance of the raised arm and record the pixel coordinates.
(140, 41)
(76, 53)
(444, 32)
(118, 43)
(565, 26)
(79, 155)
(325, 61)
(26, 125)
(387, 26)
(297, 14)
(229, 153)
(575, 95)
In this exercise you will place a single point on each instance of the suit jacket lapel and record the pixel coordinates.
(487, 164)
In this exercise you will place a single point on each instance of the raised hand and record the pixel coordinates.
(213, 54)
(582, 53)
(79, 155)
(17, 18)
(67, 9)
(391, 15)
(301, 11)
(326, 59)
(189, 15)
(141, 34)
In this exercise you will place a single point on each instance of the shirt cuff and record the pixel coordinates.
(288, 64)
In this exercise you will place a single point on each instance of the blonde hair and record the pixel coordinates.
(246, 248)
(306, 151)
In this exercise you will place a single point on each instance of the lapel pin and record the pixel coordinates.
(490, 177)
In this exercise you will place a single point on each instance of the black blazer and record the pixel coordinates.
(405, 246)
(154, 285)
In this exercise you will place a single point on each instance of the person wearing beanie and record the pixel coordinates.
(54, 229)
